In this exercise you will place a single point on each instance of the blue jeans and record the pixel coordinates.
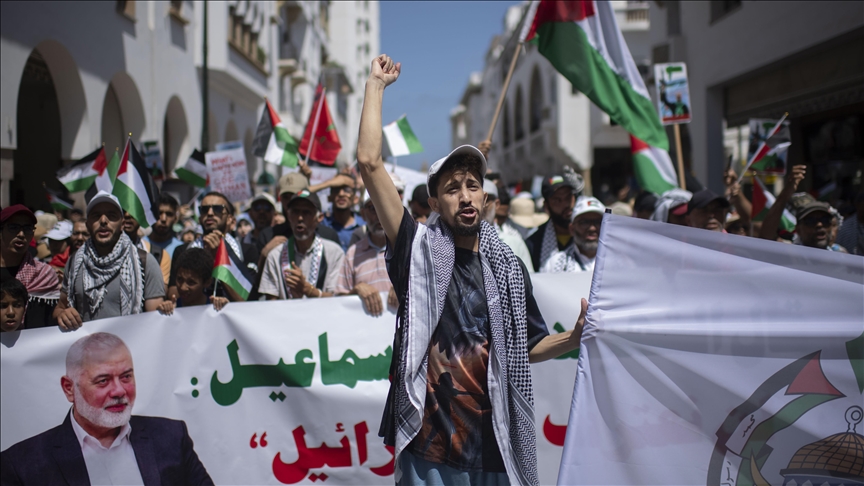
(420, 472)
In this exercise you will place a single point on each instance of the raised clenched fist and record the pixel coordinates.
(384, 70)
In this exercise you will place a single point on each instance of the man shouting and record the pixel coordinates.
(461, 407)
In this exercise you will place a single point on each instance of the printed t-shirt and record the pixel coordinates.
(457, 428)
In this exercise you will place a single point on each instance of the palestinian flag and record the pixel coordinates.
(326, 145)
(82, 174)
(134, 187)
(107, 170)
(194, 171)
(58, 201)
(401, 139)
(228, 269)
(582, 40)
(272, 140)
(762, 202)
(653, 167)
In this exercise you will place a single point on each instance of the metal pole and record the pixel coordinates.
(205, 96)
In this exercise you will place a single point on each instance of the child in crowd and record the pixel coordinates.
(194, 282)
(14, 296)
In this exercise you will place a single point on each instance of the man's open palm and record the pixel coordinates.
(385, 70)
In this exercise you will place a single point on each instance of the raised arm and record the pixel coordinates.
(771, 223)
(388, 205)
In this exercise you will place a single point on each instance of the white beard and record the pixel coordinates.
(100, 416)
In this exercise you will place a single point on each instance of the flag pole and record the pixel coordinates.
(682, 181)
(315, 124)
(503, 92)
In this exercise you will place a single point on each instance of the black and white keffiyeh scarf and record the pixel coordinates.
(566, 260)
(509, 376)
(550, 244)
(316, 251)
(96, 271)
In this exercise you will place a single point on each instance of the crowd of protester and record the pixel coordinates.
(66, 269)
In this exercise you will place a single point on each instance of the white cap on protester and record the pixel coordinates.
(101, 197)
(61, 231)
(461, 150)
(490, 188)
(397, 181)
(588, 205)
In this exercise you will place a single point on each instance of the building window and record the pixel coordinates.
(519, 118)
(127, 8)
(535, 109)
(721, 8)
(241, 37)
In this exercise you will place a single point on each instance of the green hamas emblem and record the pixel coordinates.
(742, 450)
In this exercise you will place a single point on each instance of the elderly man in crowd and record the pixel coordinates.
(163, 235)
(59, 239)
(559, 197)
(109, 276)
(579, 256)
(18, 225)
(215, 212)
(364, 271)
(306, 265)
(100, 441)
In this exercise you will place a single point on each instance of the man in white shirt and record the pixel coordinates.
(100, 442)
(579, 255)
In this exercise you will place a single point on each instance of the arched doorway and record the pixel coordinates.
(113, 131)
(175, 134)
(38, 155)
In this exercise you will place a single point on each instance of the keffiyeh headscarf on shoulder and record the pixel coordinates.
(512, 397)
(96, 271)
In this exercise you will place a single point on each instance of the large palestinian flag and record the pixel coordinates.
(134, 187)
(82, 174)
(326, 144)
(652, 167)
(272, 140)
(582, 40)
(228, 269)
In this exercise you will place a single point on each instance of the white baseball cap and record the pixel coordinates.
(461, 150)
(61, 231)
(588, 205)
(490, 188)
(103, 196)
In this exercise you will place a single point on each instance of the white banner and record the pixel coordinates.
(277, 392)
(228, 175)
(717, 359)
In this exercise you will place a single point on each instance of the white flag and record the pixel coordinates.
(717, 359)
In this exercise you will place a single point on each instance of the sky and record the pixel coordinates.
(439, 45)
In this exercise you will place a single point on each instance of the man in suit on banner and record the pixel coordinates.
(101, 442)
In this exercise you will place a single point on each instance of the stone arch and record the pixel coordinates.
(123, 95)
(231, 132)
(519, 116)
(71, 99)
(175, 135)
(535, 103)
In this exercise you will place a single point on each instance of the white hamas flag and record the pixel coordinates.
(401, 139)
(715, 359)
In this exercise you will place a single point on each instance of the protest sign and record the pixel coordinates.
(227, 169)
(673, 92)
(771, 159)
(287, 392)
(716, 359)
(153, 159)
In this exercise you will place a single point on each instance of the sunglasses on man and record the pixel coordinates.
(218, 209)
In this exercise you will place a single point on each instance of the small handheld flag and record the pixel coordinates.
(228, 269)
